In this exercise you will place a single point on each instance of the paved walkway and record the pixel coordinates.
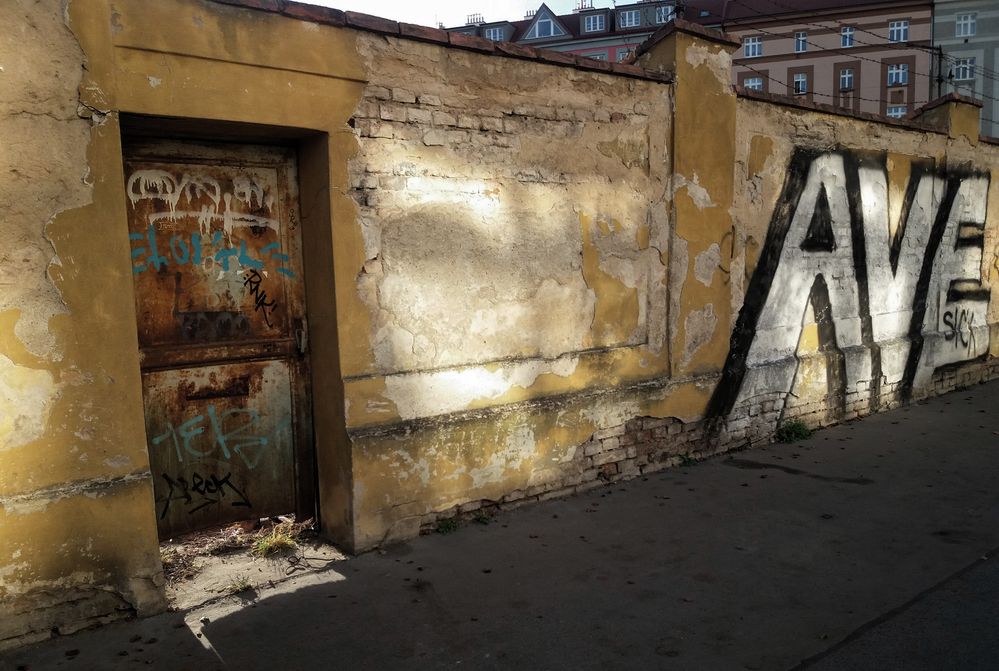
(867, 546)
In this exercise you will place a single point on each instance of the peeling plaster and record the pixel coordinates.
(698, 194)
(699, 328)
(717, 60)
(706, 264)
(520, 445)
(678, 274)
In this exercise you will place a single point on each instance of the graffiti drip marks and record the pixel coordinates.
(892, 303)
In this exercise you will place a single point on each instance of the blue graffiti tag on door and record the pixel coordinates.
(206, 435)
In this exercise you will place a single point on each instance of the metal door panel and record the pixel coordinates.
(220, 442)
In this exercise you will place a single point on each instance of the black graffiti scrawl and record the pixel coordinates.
(894, 283)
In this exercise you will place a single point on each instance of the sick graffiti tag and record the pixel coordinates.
(190, 438)
(202, 491)
(870, 280)
(960, 328)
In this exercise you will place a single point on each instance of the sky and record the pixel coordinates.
(450, 12)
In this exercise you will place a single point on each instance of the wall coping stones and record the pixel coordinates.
(801, 103)
(375, 24)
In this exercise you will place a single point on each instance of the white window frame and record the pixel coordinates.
(799, 83)
(752, 47)
(597, 55)
(964, 68)
(966, 25)
(898, 74)
(622, 53)
(494, 33)
(898, 31)
(665, 13)
(846, 37)
(753, 83)
(896, 111)
(846, 79)
(594, 23)
(800, 42)
(630, 18)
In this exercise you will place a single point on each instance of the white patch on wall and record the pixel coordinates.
(442, 392)
(697, 193)
(26, 399)
(707, 263)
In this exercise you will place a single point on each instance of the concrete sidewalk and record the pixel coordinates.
(832, 553)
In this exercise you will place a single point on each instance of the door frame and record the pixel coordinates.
(324, 478)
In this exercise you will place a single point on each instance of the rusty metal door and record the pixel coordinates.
(216, 265)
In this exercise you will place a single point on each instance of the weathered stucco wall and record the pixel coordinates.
(514, 220)
(525, 276)
(77, 535)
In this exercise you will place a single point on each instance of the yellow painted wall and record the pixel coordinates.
(521, 278)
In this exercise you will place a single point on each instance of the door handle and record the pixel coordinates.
(301, 335)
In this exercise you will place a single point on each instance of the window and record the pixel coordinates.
(597, 55)
(898, 74)
(630, 18)
(965, 25)
(846, 36)
(964, 68)
(495, 34)
(800, 83)
(897, 111)
(898, 31)
(753, 83)
(800, 42)
(623, 54)
(846, 79)
(752, 47)
(594, 23)
(664, 13)
(544, 27)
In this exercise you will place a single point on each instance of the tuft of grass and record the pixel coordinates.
(238, 584)
(791, 431)
(278, 540)
(482, 517)
(687, 460)
(447, 526)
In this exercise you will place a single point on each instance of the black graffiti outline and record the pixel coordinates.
(758, 291)
(260, 302)
(205, 487)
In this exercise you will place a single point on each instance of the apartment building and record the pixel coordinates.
(603, 33)
(865, 56)
(967, 34)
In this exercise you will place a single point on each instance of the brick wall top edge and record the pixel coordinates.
(375, 24)
(789, 101)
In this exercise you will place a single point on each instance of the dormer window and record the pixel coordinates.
(544, 26)
(664, 13)
(631, 18)
(594, 23)
(495, 34)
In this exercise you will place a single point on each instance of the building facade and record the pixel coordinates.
(603, 33)
(864, 56)
(967, 34)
